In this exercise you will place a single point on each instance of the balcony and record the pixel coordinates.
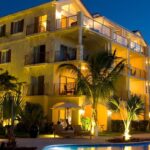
(138, 73)
(42, 26)
(33, 59)
(137, 48)
(120, 39)
(65, 88)
(96, 26)
(36, 90)
(65, 56)
(101, 29)
(66, 22)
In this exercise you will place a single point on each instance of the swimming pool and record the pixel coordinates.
(133, 146)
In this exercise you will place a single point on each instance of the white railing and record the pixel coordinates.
(120, 39)
(96, 26)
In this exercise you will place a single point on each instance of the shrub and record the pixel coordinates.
(139, 125)
(20, 127)
(117, 126)
(86, 122)
(47, 128)
(2, 130)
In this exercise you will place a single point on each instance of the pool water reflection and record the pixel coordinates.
(96, 147)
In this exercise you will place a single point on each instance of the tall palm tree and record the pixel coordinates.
(102, 71)
(128, 110)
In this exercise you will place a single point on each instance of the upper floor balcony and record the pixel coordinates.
(33, 59)
(36, 89)
(42, 26)
(65, 88)
(65, 56)
(101, 29)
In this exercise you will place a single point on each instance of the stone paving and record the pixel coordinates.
(45, 141)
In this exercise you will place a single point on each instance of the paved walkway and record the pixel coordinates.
(43, 141)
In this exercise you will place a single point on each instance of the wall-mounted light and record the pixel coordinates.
(87, 26)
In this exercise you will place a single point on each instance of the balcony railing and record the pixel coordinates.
(65, 88)
(35, 90)
(32, 59)
(96, 26)
(40, 27)
(61, 56)
(66, 22)
(137, 72)
(137, 48)
(120, 39)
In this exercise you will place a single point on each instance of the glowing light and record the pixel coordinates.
(58, 14)
(149, 114)
(109, 113)
(83, 67)
(127, 135)
(6, 122)
(93, 127)
(128, 148)
(87, 26)
(82, 112)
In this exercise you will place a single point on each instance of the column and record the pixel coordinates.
(80, 18)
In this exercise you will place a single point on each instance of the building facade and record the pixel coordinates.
(34, 42)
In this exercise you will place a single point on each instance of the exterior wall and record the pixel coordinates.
(79, 37)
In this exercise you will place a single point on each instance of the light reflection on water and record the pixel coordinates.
(145, 147)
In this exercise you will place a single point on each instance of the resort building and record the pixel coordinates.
(35, 41)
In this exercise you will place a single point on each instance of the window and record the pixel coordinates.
(67, 53)
(37, 85)
(40, 24)
(5, 56)
(39, 54)
(2, 30)
(17, 26)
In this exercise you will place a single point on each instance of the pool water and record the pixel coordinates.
(143, 146)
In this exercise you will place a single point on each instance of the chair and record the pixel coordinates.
(58, 130)
(79, 132)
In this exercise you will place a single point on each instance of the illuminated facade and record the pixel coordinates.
(34, 42)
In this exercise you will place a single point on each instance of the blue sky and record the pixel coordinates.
(132, 14)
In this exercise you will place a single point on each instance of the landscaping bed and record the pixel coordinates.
(121, 140)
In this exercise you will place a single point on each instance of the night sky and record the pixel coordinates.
(132, 14)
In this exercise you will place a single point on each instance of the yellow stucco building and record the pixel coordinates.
(34, 42)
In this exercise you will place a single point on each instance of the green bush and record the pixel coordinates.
(117, 126)
(86, 122)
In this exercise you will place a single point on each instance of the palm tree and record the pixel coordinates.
(11, 95)
(128, 110)
(102, 71)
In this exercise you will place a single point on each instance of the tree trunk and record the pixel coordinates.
(94, 117)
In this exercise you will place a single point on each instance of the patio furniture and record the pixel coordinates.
(78, 131)
(58, 130)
